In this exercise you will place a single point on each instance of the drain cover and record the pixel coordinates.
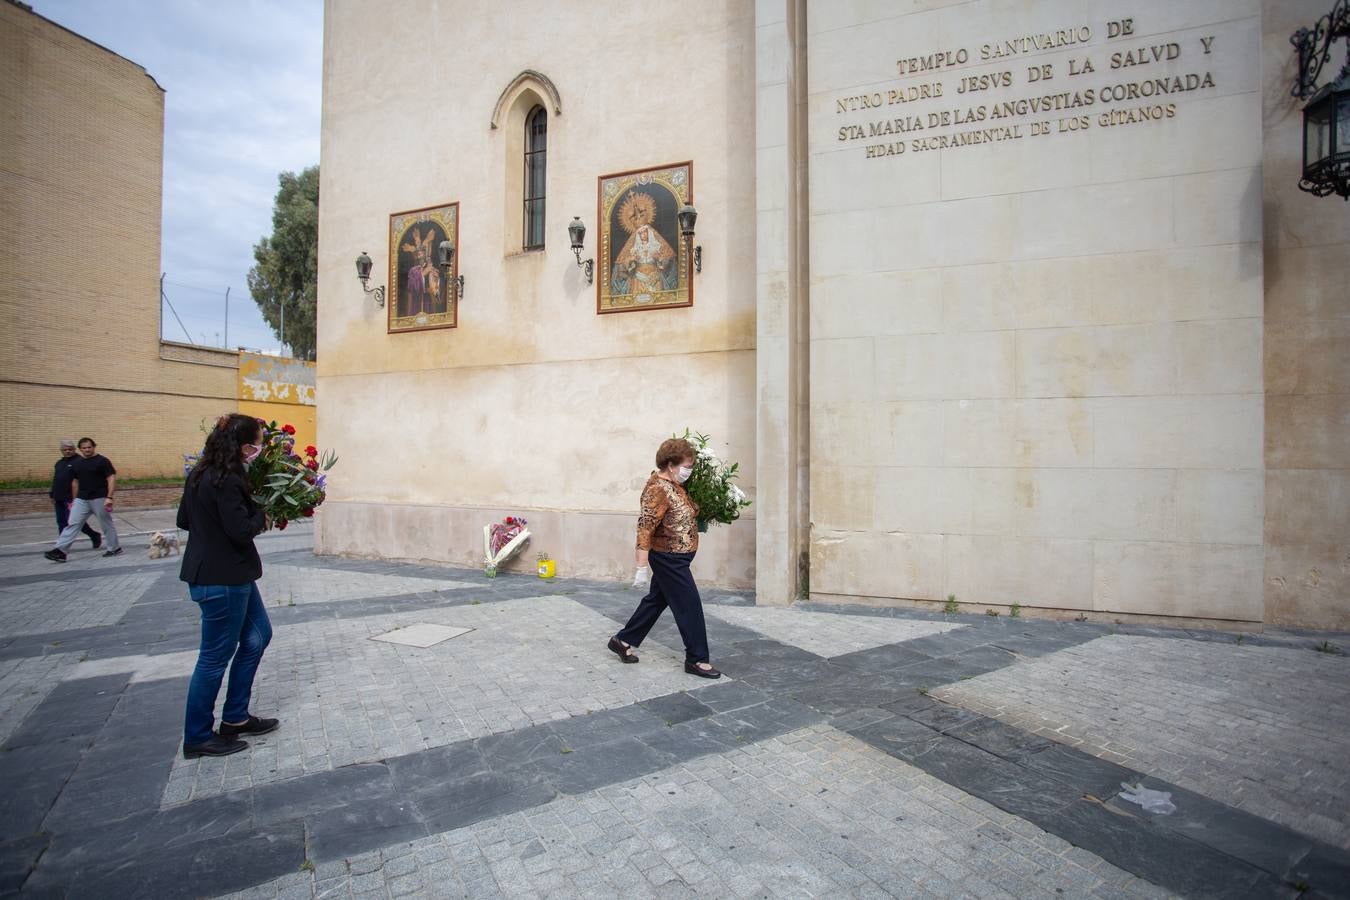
(422, 634)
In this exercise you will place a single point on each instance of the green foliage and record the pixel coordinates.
(28, 484)
(287, 269)
(281, 480)
(1015, 610)
(951, 606)
(991, 612)
(710, 486)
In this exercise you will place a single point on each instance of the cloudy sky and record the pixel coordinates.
(242, 82)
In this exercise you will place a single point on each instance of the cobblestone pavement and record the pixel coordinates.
(526, 662)
(1265, 729)
(848, 752)
(826, 634)
(812, 813)
(289, 585)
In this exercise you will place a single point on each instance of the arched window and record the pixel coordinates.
(536, 155)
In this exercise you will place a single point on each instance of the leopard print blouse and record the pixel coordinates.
(668, 520)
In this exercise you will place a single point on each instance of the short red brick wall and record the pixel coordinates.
(35, 500)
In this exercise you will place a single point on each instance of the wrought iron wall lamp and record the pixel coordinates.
(577, 232)
(1326, 117)
(445, 258)
(363, 273)
(688, 216)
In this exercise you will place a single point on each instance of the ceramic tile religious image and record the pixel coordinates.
(642, 260)
(420, 293)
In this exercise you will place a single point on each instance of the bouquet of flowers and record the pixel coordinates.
(719, 501)
(284, 483)
(502, 540)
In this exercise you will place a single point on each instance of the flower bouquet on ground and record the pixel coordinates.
(719, 501)
(503, 540)
(285, 484)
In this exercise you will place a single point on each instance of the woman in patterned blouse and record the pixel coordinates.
(667, 539)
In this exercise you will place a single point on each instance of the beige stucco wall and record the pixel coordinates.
(534, 404)
(1036, 363)
(1307, 354)
(80, 173)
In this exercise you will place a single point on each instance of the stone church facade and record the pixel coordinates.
(1014, 302)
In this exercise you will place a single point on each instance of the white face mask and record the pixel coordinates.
(683, 474)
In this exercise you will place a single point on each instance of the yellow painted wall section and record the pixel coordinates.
(279, 389)
(302, 417)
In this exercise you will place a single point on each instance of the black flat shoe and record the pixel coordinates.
(254, 725)
(694, 669)
(55, 555)
(215, 745)
(624, 653)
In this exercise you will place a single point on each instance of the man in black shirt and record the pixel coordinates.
(92, 495)
(62, 495)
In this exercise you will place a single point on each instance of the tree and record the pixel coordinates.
(286, 276)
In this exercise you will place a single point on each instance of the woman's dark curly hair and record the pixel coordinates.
(221, 453)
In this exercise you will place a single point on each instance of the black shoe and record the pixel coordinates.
(693, 669)
(55, 555)
(624, 653)
(215, 745)
(97, 539)
(117, 552)
(254, 725)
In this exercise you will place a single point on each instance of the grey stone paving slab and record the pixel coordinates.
(812, 812)
(347, 700)
(56, 605)
(293, 585)
(421, 634)
(1262, 729)
(826, 634)
(25, 682)
(525, 805)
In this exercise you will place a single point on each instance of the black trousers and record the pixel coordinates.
(673, 586)
(63, 519)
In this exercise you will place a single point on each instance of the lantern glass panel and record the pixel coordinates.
(1341, 126)
(1316, 134)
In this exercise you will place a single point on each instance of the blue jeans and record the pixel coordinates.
(235, 632)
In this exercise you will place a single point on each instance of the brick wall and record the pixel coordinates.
(28, 502)
(81, 160)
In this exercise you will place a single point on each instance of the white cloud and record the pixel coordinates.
(243, 84)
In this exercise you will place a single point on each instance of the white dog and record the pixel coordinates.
(162, 545)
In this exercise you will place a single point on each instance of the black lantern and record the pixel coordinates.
(445, 258)
(577, 232)
(688, 216)
(363, 273)
(1326, 117)
(1326, 141)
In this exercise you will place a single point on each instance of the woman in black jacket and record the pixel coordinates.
(221, 567)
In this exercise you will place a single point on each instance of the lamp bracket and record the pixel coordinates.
(587, 265)
(377, 291)
(1314, 47)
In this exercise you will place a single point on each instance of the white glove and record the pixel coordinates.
(642, 577)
